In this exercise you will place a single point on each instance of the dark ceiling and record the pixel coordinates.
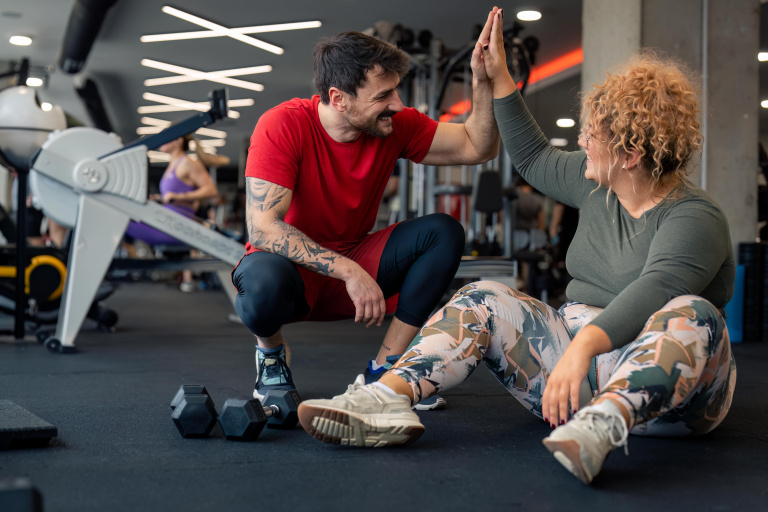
(114, 63)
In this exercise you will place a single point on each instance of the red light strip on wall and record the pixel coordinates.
(538, 73)
(555, 66)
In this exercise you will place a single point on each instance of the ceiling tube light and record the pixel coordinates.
(246, 102)
(20, 40)
(154, 109)
(213, 143)
(199, 34)
(158, 156)
(222, 30)
(762, 56)
(180, 104)
(200, 75)
(224, 74)
(148, 130)
(160, 124)
(209, 132)
(151, 121)
(33, 81)
(160, 109)
(529, 15)
(565, 123)
(764, 103)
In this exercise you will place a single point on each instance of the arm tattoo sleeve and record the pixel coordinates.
(265, 196)
(287, 241)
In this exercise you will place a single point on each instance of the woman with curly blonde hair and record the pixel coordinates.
(642, 346)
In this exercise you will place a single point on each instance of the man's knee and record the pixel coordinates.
(449, 230)
(268, 290)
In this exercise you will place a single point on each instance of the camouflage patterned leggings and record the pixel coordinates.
(677, 377)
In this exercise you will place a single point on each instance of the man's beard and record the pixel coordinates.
(371, 126)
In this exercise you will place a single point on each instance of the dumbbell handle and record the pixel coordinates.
(271, 410)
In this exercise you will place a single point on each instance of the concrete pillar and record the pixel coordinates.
(718, 39)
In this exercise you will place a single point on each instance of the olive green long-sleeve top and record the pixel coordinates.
(631, 267)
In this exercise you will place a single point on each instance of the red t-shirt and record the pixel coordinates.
(337, 186)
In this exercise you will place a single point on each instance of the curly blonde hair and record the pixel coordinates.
(651, 106)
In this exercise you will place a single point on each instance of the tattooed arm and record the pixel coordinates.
(266, 207)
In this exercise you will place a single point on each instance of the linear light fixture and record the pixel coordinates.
(565, 122)
(151, 130)
(201, 75)
(199, 34)
(158, 156)
(148, 130)
(183, 105)
(224, 74)
(161, 124)
(156, 109)
(153, 109)
(209, 143)
(222, 30)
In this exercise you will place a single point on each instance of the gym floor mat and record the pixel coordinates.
(20, 428)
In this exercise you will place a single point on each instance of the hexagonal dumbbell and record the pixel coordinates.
(193, 411)
(243, 420)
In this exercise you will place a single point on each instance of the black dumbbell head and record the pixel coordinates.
(242, 420)
(287, 400)
(194, 416)
(188, 389)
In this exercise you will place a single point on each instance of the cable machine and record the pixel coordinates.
(481, 197)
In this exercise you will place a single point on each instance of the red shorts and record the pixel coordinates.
(327, 297)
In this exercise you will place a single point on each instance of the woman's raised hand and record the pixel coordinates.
(494, 56)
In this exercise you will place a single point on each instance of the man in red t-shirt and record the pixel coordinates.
(315, 175)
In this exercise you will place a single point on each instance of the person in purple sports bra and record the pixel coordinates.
(184, 184)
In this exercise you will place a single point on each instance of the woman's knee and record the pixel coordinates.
(690, 319)
(691, 306)
(477, 292)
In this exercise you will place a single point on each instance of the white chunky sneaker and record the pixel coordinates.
(582, 444)
(363, 416)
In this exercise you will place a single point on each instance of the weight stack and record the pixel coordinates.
(754, 257)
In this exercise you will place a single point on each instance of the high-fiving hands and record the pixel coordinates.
(489, 59)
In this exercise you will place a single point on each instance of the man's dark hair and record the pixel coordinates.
(343, 60)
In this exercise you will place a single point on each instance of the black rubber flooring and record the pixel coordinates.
(118, 450)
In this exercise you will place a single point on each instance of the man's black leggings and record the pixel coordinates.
(419, 260)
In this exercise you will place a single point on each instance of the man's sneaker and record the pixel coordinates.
(370, 376)
(272, 371)
(582, 444)
(365, 415)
